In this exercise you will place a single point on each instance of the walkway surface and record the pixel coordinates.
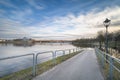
(83, 66)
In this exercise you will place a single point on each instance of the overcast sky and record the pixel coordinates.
(57, 19)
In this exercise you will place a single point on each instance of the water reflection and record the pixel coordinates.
(31, 44)
(24, 44)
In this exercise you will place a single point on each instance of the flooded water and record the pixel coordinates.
(13, 50)
(15, 64)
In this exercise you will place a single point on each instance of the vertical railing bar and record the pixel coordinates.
(34, 71)
(63, 52)
(103, 61)
(110, 68)
(69, 51)
(36, 65)
(54, 57)
(37, 58)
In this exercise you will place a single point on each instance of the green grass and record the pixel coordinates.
(26, 74)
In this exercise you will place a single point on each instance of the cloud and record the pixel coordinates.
(11, 29)
(60, 27)
(89, 21)
(23, 16)
(20, 14)
(34, 4)
(7, 4)
(117, 23)
(87, 24)
(2, 12)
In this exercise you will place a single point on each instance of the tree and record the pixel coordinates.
(100, 38)
(117, 40)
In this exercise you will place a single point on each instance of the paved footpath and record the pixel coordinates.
(83, 66)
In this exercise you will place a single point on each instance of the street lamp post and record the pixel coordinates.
(106, 24)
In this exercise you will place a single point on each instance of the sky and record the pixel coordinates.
(57, 19)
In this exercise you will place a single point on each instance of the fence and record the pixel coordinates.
(52, 57)
(32, 65)
(40, 67)
(18, 63)
(109, 64)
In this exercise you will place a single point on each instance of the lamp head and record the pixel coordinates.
(106, 22)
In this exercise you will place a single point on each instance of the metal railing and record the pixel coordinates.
(39, 68)
(33, 66)
(15, 69)
(52, 58)
(109, 64)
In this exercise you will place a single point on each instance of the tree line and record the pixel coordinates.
(100, 40)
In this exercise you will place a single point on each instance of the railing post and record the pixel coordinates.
(79, 49)
(102, 60)
(100, 55)
(63, 52)
(76, 49)
(69, 51)
(54, 56)
(111, 68)
(34, 65)
(73, 50)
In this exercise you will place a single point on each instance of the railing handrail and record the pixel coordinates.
(36, 54)
(33, 54)
(16, 56)
(109, 55)
(44, 52)
(116, 59)
(65, 49)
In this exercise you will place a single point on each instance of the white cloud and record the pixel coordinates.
(88, 24)
(67, 27)
(12, 29)
(23, 16)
